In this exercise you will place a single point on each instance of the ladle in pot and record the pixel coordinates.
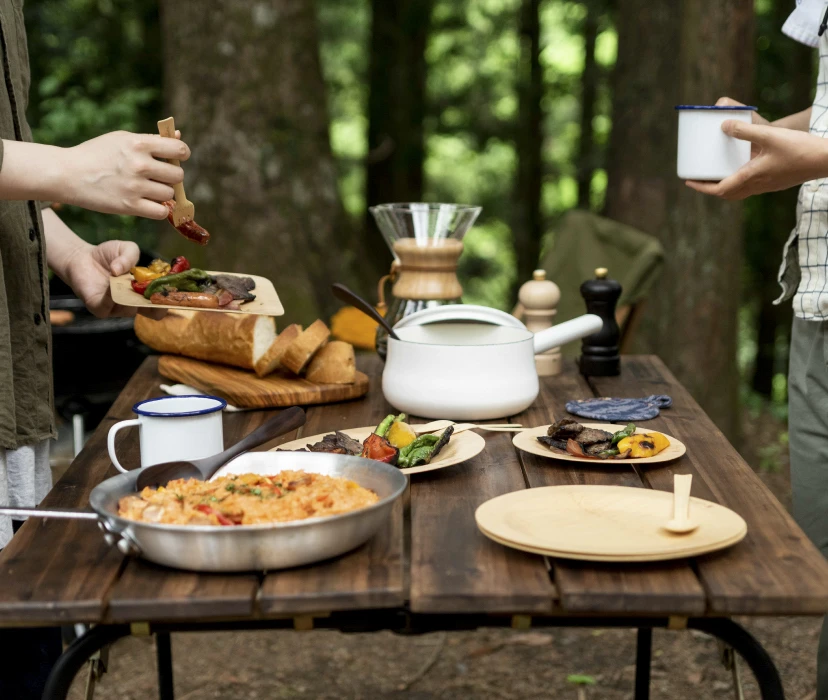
(341, 292)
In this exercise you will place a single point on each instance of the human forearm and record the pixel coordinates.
(801, 121)
(62, 244)
(117, 173)
(30, 171)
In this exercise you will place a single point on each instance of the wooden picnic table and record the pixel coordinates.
(431, 569)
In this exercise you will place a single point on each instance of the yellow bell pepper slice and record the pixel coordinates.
(643, 445)
(144, 274)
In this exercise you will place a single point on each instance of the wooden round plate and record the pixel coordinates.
(461, 447)
(605, 523)
(527, 440)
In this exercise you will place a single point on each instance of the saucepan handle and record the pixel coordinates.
(566, 332)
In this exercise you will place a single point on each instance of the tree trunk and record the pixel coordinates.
(528, 225)
(693, 51)
(244, 83)
(396, 111)
(589, 88)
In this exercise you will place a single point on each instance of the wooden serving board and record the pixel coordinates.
(266, 303)
(245, 390)
(605, 523)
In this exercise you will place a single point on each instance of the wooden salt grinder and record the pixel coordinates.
(539, 299)
(600, 352)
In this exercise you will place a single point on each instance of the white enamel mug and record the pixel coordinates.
(174, 427)
(705, 152)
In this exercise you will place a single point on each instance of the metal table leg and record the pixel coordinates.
(163, 655)
(760, 662)
(643, 655)
(78, 653)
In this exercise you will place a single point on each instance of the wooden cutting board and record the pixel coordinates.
(245, 390)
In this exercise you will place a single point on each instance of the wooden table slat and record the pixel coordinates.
(775, 568)
(371, 576)
(660, 588)
(56, 570)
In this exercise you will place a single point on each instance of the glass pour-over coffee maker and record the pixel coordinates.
(426, 241)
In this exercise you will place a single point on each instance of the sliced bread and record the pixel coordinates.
(299, 352)
(333, 363)
(270, 360)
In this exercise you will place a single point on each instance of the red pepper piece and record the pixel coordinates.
(179, 264)
(208, 510)
(379, 449)
(140, 287)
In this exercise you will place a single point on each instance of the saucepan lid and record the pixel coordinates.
(448, 313)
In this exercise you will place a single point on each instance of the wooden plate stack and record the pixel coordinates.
(605, 523)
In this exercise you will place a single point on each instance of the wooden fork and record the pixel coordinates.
(460, 427)
(184, 210)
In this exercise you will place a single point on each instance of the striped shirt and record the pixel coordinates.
(803, 275)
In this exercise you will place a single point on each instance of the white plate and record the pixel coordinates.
(528, 442)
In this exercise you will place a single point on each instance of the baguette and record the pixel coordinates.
(269, 362)
(299, 352)
(227, 338)
(334, 363)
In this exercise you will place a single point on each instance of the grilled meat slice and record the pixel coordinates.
(239, 287)
(597, 447)
(553, 444)
(589, 436)
(337, 443)
(564, 429)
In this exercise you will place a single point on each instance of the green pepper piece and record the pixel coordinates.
(383, 427)
(625, 433)
(417, 456)
(422, 441)
(609, 453)
(188, 281)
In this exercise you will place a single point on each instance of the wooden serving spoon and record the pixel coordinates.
(184, 209)
(203, 469)
(681, 523)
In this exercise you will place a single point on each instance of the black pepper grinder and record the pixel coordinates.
(599, 352)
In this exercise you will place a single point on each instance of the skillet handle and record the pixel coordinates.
(56, 513)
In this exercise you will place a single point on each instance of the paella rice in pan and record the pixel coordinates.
(247, 499)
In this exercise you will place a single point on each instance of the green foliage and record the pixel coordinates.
(96, 68)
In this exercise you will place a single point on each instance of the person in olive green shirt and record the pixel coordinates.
(117, 173)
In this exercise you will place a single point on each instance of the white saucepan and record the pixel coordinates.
(464, 362)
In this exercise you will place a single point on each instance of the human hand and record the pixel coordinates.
(755, 117)
(785, 158)
(119, 173)
(88, 271)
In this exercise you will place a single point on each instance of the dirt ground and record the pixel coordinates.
(487, 664)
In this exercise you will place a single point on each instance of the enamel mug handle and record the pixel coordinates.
(110, 440)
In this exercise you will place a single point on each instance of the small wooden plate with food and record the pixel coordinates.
(394, 442)
(175, 284)
(599, 443)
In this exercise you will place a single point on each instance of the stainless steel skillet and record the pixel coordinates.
(245, 547)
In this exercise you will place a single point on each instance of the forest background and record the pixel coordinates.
(301, 113)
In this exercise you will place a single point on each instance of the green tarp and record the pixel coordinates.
(583, 241)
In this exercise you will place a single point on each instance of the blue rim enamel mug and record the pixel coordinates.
(705, 152)
(172, 428)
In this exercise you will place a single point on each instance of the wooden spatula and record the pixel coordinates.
(184, 210)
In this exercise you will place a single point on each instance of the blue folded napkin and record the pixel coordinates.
(610, 410)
